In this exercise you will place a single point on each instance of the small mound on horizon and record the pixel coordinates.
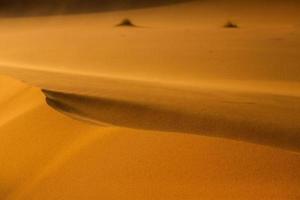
(231, 24)
(126, 23)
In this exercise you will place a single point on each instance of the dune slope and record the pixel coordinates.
(177, 72)
(236, 110)
(240, 84)
(45, 155)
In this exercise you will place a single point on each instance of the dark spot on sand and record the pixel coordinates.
(231, 24)
(126, 23)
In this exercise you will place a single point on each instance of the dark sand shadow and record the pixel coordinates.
(152, 117)
(22, 8)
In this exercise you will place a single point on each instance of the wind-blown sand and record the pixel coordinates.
(145, 99)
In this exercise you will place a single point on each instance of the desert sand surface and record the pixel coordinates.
(177, 107)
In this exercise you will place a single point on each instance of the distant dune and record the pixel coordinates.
(264, 116)
(49, 7)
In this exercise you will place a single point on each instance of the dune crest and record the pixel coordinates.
(258, 118)
(256, 112)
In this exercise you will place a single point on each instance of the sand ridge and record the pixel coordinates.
(267, 116)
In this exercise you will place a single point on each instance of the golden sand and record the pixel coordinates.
(175, 108)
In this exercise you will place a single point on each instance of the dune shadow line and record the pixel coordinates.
(152, 117)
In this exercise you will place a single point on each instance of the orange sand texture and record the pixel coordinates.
(175, 108)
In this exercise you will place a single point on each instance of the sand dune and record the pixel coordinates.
(237, 111)
(258, 118)
(45, 155)
(178, 108)
(27, 142)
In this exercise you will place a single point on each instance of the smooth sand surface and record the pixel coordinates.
(45, 155)
(135, 94)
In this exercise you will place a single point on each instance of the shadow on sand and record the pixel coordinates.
(154, 117)
(21, 8)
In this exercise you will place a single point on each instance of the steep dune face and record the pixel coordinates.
(255, 112)
(45, 155)
(258, 118)
(31, 135)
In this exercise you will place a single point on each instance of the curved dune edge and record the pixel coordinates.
(27, 144)
(258, 118)
(49, 156)
(228, 119)
(51, 163)
(267, 116)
